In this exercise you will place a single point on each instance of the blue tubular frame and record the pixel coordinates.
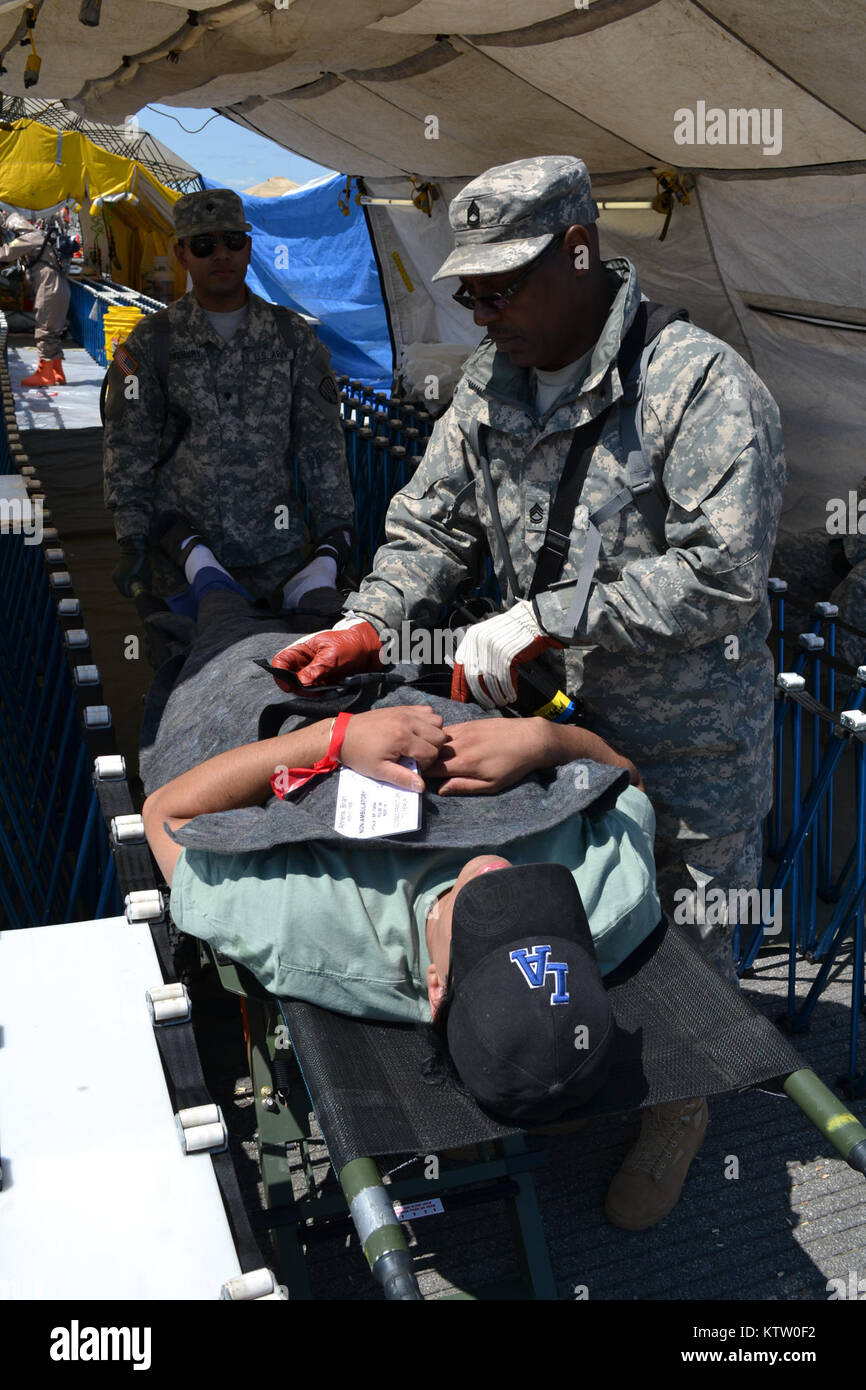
(848, 917)
(54, 860)
(811, 875)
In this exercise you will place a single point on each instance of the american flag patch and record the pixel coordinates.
(125, 361)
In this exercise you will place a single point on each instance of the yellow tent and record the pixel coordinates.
(125, 210)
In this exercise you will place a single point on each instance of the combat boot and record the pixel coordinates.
(56, 365)
(43, 376)
(177, 538)
(649, 1183)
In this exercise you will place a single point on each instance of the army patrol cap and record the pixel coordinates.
(215, 210)
(510, 214)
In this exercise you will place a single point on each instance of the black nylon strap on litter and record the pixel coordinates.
(186, 1084)
(811, 705)
(836, 663)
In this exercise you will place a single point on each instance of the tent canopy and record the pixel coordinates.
(764, 105)
(350, 83)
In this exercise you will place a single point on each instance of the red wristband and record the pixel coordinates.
(288, 780)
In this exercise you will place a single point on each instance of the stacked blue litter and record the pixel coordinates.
(55, 863)
(819, 846)
(89, 302)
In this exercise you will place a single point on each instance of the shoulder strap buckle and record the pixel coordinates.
(641, 485)
(555, 540)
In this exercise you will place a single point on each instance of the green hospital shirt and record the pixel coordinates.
(344, 926)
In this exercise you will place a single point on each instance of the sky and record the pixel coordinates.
(223, 151)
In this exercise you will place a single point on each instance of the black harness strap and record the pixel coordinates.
(647, 324)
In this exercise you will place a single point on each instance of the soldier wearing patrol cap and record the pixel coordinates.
(207, 403)
(656, 613)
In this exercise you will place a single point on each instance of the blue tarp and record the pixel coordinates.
(310, 257)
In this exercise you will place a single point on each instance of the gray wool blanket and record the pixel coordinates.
(217, 698)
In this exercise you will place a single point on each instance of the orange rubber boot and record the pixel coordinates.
(43, 376)
(56, 365)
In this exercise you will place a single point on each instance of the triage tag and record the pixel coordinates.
(367, 808)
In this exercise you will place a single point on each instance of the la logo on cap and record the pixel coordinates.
(535, 968)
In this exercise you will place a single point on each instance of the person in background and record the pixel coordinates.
(207, 404)
(34, 250)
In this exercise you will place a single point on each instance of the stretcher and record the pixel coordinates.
(682, 1031)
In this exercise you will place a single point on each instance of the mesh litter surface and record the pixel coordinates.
(682, 1031)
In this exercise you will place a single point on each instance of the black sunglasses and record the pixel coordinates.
(206, 243)
(500, 300)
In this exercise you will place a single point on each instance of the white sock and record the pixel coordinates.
(200, 557)
(320, 573)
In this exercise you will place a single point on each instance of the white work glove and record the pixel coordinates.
(485, 662)
(320, 573)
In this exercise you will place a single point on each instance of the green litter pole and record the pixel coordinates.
(828, 1113)
(379, 1231)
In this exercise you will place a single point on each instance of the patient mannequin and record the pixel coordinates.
(370, 929)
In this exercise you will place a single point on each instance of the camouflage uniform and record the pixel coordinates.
(673, 668)
(253, 402)
(47, 281)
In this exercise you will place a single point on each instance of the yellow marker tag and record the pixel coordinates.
(839, 1120)
(395, 256)
(558, 708)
